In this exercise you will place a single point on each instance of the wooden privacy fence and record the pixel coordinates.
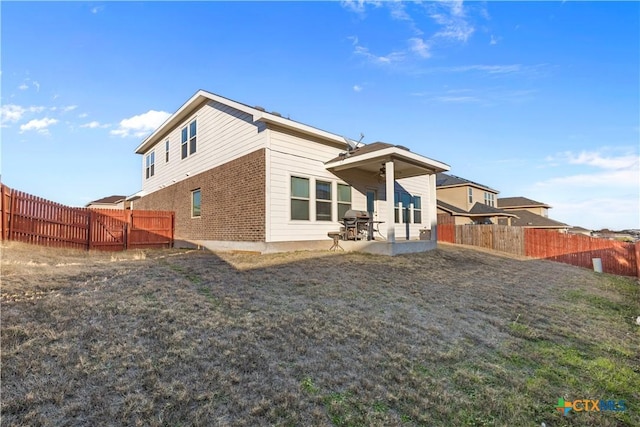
(617, 257)
(497, 237)
(31, 219)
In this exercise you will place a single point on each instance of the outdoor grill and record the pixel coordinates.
(357, 225)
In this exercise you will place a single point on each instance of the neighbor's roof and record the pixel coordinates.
(520, 202)
(111, 200)
(529, 219)
(478, 209)
(258, 115)
(447, 180)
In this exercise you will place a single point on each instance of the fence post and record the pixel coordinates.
(3, 209)
(11, 219)
(128, 225)
(173, 229)
(637, 251)
(89, 229)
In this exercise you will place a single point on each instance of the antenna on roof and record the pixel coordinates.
(350, 143)
(361, 137)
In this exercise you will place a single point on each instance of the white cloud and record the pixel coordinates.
(493, 40)
(618, 178)
(599, 189)
(141, 125)
(398, 11)
(379, 59)
(11, 113)
(97, 9)
(82, 115)
(594, 158)
(457, 99)
(616, 213)
(451, 16)
(359, 6)
(357, 88)
(69, 108)
(23, 86)
(94, 125)
(419, 47)
(39, 125)
(486, 97)
(36, 85)
(490, 69)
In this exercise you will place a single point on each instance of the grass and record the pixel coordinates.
(451, 337)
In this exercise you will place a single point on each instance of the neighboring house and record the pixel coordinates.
(580, 230)
(623, 236)
(238, 177)
(461, 201)
(530, 213)
(111, 202)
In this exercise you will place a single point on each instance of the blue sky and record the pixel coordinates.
(534, 99)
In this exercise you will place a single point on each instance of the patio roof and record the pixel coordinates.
(372, 157)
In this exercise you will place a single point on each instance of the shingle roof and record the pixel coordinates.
(108, 200)
(446, 180)
(450, 208)
(368, 148)
(482, 209)
(478, 209)
(529, 219)
(519, 202)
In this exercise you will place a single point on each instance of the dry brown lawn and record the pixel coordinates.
(446, 338)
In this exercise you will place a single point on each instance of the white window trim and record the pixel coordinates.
(313, 199)
(187, 126)
(149, 165)
(192, 193)
(330, 201)
(338, 202)
(312, 208)
(413, 208)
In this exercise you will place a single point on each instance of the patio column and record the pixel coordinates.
(390, 187)
(433, 207)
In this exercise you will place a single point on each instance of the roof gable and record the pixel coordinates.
(447, 180)
(519, 202)
(258, 114)
(529, 219)
(478, 209)
(108, 200)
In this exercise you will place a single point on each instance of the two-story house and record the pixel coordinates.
(461, 201)
(530, 213)
(239, 177)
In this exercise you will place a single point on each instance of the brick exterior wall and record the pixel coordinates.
(232, 202)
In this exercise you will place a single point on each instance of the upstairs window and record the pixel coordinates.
(150, 161)
(188, 139)
(489, 199)
(344, 200)
(166, 151)
(299, 198)
(192, 137)
(323, 201)
(470, 192)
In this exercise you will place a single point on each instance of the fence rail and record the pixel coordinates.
(617, 257)
(30, 219)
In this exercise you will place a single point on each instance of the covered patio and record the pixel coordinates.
(403, 220)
